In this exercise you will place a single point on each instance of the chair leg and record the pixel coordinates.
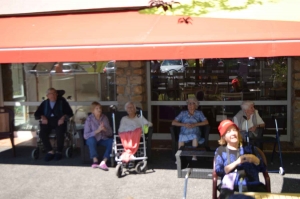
(274, 151)
(13, 145)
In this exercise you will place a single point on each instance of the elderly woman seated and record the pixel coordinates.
(97, 132)
(253, 121)
(189, 120)
(130, 131)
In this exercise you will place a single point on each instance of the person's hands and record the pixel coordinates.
(189, 125)
(242, 159)
(249, 158)
(44, 120)
(61, 120)
(101, 128)
(252, 129)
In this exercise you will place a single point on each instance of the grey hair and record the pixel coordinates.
(245, 105)
(50, 89)
(192, 99)
(130, 102)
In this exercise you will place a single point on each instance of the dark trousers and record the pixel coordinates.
(45, 130)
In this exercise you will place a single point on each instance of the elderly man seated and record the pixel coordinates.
(254, 121)
(53, 113)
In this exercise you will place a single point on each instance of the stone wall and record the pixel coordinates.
(295, 127)
(131, 83)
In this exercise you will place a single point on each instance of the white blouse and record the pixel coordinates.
(130, 124)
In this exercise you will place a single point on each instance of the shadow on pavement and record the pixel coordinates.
(161, 159)
(290, 185)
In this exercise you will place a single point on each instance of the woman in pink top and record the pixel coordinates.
(97, 131)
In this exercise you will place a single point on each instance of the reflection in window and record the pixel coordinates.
(81, 81)
(259, 79)
(17, 80)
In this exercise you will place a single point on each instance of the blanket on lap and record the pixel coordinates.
(130, 141)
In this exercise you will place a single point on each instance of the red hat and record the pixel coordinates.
(235, 81)
(224, 126)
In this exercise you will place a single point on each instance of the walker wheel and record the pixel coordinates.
(69, 152)
(281, 171)
(138, 167)
(119, 170)
(35, 153)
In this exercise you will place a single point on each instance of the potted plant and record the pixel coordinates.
(279, 74)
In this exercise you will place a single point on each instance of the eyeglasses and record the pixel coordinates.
(191, 103)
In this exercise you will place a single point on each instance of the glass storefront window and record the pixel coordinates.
(82, 81)
(212, 79)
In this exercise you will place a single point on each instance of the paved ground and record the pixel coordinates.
(22, 177)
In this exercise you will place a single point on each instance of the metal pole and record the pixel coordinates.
(186, 182)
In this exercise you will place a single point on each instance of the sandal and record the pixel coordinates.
(95, 165)
(103, 167)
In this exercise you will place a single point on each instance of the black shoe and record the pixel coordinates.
(58, 156)
(49, 157)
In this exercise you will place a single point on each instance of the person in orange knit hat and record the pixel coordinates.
(232, 157)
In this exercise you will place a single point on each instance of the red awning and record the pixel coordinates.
(134, 36)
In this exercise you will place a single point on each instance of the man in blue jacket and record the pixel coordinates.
(53, 113)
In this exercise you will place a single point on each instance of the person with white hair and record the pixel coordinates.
(189, 121)
(130, 131)
(254, 121)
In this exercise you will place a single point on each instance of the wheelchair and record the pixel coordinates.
(69, 143)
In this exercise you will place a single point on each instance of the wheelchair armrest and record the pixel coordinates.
(174, 135)
(149, 142)
(205, 130)
(81, 138)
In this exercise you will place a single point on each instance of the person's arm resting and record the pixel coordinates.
(67, 110)
(40, 111)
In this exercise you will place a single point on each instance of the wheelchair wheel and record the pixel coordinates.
(69, 152)
(138, 167)
(119, 170)
(35, 153)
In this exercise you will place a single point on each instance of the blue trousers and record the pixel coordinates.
(93, 143)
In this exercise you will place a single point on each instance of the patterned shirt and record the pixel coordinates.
(251, 169)
(187, 134)
(92, 124)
